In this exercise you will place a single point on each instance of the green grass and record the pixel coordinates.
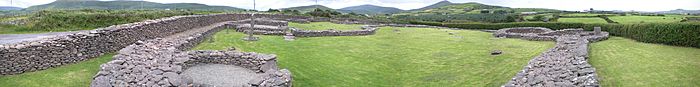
(646, 19)
(623, 62)
(86, 19)
(325, 26)
(419, 57)
(72, 75)
(582, 20)
(585, 14)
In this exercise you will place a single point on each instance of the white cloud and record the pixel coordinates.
(577, 5)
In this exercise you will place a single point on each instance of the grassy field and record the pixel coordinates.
(582, 20)
(646, 19)
(324, 26)
(626, 63)
(584, 14)
(414, 57)
(73, 75)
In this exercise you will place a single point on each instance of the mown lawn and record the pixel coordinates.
(646, 19)
(325, 26)
(73, 75)
(418, 57)
(582, 20)
(627, 63)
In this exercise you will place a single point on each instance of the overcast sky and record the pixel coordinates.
(572, 5)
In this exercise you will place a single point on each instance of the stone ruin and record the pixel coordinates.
(155, 52)
(565, 65)
(262, 26)
(365, 30)
(163, 62)
(34, 55)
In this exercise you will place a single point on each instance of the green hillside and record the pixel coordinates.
(304, 9)
(474, 8)
(92, 4)
(370, 9)
(436, 5)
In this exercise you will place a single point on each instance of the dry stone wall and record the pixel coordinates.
(366, 30)
(160, 62)
(260, 63)
(46, 53)
(263, 26)
(565, 65)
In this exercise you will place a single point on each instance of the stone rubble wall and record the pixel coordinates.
(260, 63)
(264, 21)
(155, 62)
(366, 30)
(565, 65)
(50, 52)
(159, 62)
(263, 26)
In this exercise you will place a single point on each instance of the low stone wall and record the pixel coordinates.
(260, 63)
(263, 26)
(366, 30)
(565, 65)
(264, 21)
(160, 62)
(67, 49)
(155, 62)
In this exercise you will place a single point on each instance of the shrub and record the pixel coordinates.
(676, 34)
(62, 20)
(491, 18)
(495, 26)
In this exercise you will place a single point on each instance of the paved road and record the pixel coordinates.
(16, 38)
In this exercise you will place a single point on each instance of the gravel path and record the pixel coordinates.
(219, 75)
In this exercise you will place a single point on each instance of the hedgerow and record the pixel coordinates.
(677, 34)
(62, 20)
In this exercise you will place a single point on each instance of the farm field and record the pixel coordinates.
(584, 14)
(622, 62)
(414, 57)
(646, 19)
(582, 20)
(324, 26)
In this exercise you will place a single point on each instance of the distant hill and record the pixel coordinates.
(304, 9)
(680, 11)
(446, 7)
(6, 8)
(370, 9)
(436, 5)
(125, 4)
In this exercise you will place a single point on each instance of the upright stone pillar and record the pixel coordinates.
(596, 30)
(250, 36)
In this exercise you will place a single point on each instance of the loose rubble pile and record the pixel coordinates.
(565, 65)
